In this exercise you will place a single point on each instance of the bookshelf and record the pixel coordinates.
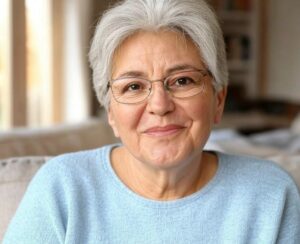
(240, 22)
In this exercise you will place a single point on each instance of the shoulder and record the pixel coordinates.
(67, 169)
(255, 172)
(68, 176)
(81, 160)
(266, 190)
(62, 187)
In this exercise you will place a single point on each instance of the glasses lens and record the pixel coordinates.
(186, 84)
(130, 90)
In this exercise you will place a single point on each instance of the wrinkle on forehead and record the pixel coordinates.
(152, 53)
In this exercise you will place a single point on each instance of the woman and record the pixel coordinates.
(160, 71)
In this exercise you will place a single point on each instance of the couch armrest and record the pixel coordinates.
(55, 140)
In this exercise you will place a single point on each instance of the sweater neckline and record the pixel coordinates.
(127, 192)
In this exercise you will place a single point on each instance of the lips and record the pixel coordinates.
(164, 130)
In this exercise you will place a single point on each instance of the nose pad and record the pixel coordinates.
(161, 88)
(160, 100)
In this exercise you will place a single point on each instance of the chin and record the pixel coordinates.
(171, 159)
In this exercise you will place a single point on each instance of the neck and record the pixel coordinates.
(164, 184)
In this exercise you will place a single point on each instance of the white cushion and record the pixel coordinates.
(295, 127)
(15, 174)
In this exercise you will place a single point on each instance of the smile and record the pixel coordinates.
(163, 130)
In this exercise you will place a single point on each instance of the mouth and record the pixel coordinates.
(164, 130)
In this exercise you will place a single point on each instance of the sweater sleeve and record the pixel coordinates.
(41, 214)
(289, 231)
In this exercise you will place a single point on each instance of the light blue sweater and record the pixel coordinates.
(77, 198)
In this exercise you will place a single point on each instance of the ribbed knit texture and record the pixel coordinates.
(78, 198)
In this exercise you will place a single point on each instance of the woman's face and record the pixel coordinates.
(163, 132)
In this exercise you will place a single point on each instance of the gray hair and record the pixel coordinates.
(193, 18)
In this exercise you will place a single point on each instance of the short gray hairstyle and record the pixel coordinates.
(193, 18)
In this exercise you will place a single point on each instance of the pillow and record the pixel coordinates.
(15, 174)
(295, 127)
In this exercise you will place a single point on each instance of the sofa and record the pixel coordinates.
(24, 151)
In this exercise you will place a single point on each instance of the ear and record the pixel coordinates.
(112, 122)
(220, 103)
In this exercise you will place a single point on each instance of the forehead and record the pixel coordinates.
(155, 52)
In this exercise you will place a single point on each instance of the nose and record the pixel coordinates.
(160, 102)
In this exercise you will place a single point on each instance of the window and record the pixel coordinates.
(38, 62)
(43, 62)
(4, 96)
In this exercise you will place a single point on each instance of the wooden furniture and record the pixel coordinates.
(241, 22)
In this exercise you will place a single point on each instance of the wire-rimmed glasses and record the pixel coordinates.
(132, 90)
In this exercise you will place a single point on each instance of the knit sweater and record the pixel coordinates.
(78, 198)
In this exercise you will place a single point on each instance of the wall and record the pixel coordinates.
(283, 58)
(97, 10)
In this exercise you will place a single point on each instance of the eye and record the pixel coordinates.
(180, 82)
(183, 81)
(130, 86)
(133, 87)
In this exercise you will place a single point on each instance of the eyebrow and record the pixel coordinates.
(176, 68)
(182, 67)
(132, 73)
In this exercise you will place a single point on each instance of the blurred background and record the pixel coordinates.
(45, 78)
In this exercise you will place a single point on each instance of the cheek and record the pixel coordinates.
(124, 119)
(202, 116)
(202, 111)
(202, 121)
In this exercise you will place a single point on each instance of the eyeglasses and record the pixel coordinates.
(132, 90)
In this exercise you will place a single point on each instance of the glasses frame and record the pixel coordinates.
(204, 72)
